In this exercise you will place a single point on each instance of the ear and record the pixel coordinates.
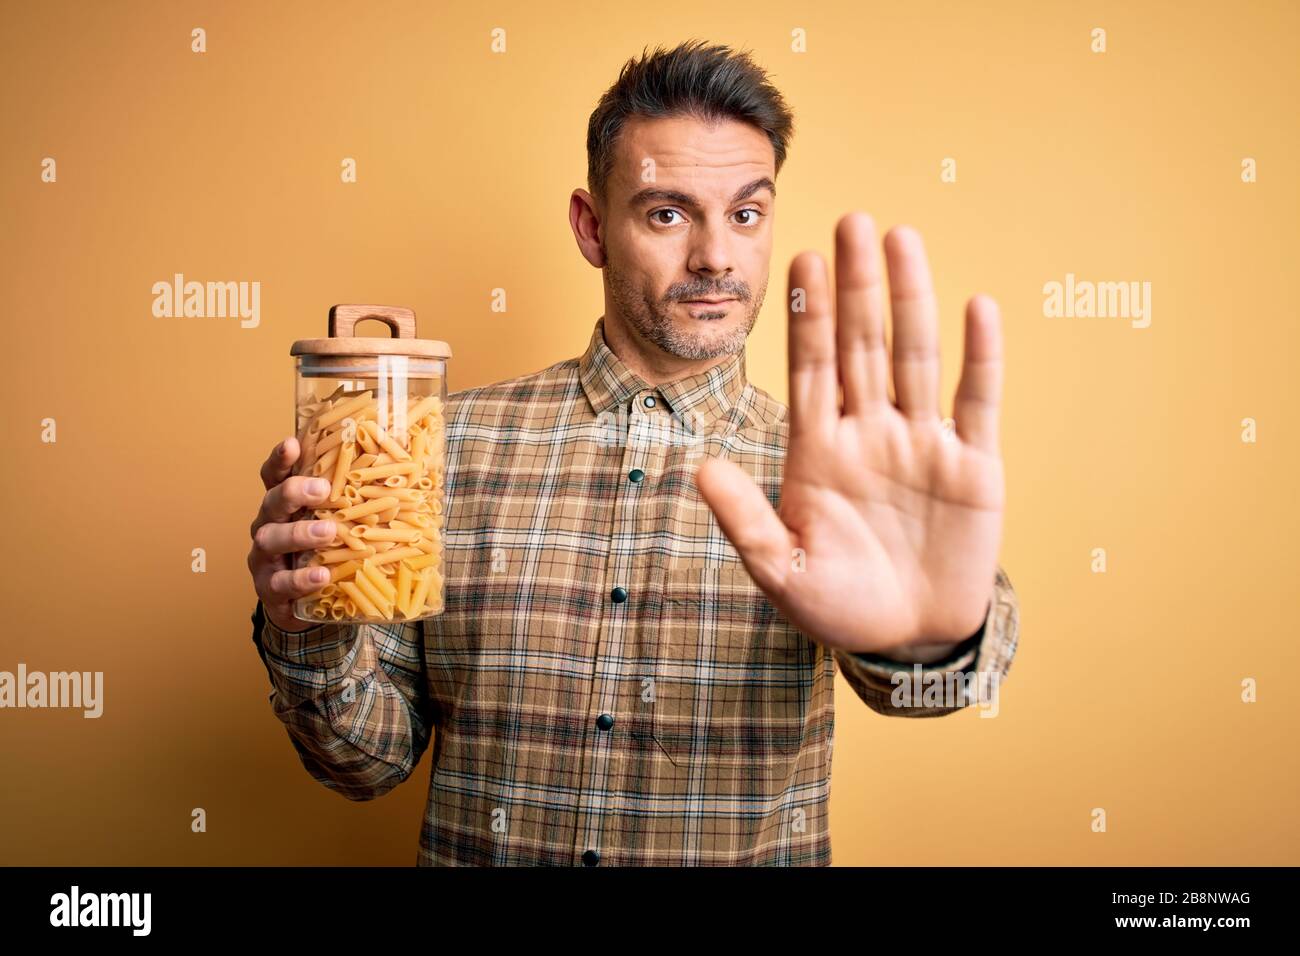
(584, 219)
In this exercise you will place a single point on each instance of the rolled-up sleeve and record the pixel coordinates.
(352, 698)
(974, 672)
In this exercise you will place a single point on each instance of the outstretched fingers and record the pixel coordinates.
(916, 325)
(979, 393)
(814, 399)
(860, 314)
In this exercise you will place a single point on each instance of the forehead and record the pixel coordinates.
(688, 151)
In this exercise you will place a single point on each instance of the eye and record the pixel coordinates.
(755, 214)
(661, 212)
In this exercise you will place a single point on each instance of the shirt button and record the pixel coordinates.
(636, 474)
(590, 858)
(619, 595)
(604, 721)
(649, 401)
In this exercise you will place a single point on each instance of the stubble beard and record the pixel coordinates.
(655, 320)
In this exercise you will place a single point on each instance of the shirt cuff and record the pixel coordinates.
(961, 658)
(323, 646)
(984, 658)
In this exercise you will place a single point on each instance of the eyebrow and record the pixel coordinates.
(654, 194)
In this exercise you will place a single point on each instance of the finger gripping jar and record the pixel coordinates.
(369, 420)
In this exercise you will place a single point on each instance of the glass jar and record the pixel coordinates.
(369, 420)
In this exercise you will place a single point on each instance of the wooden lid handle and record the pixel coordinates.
(344, 319)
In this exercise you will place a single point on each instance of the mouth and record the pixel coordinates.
(698, 303)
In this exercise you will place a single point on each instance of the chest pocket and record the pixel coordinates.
(733, 677)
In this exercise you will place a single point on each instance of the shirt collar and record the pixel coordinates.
(610, 384)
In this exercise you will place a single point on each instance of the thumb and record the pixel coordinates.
(748, 520)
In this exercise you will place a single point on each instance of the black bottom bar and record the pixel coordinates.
(376, 908)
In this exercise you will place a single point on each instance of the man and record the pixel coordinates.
(619, 678)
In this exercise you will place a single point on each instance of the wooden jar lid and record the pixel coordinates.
(343, 341)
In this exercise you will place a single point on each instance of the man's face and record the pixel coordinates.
(688, 216)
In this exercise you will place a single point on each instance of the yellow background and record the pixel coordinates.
(1123, 166)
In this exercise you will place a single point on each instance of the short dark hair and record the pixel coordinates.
(695, 79)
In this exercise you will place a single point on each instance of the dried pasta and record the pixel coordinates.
(386, 502)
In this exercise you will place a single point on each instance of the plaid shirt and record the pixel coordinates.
(607, 684)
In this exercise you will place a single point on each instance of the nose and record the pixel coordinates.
(710, 252)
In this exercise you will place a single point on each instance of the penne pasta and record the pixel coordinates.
(341, 467)
(363, 475)
(381, 491)
(366, 438)
(384, 458)
(404, 588)
(362, 602)
(369, 507)
(332, 440)
(395, 555)
(342, 410)
(341, 571)
(339, 555)
(325, 463)
(386, 534)
(307, 444)
(367, 588)
(378, 580)
(395, 450)
(421, 590)
(423, 406)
